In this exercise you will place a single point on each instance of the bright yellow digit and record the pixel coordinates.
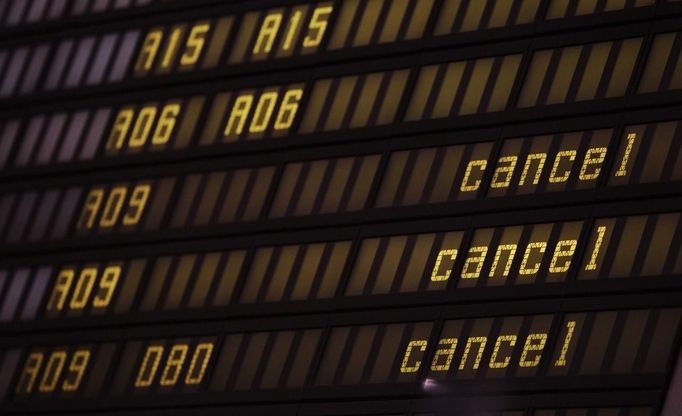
(268, 33)
(451, 255)
(166, 124)
(622, 169)
(481, 341)
(149, 49)
(594, 156)
(200, 360)
(469, 187)
(143, 124)
(90, 208)
(60, 290)
(136, 205)
(448, 353)
(475, 258)
(119, 130)
(541, 159)
(238, 115)
(107, 283)
(294, 21)
(541, 246)
(86, 281)
(288, 109)
(53, 369)
(174, 363)
(570, 329)
(112, 209)
(534, 343)
(30, 372)
(195, 44)
(77, 367)
(509, 339)
(150, 364)
(263, 114)
(317, 26)
(171, 47)
(564, 154)
(564, 250)
(601, 232)
(405, 367)
(503, 174)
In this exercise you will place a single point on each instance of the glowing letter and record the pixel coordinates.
(60, 290)
(466, 186)
(565, 249)
(448, 353)
(592, 265)
(511, 340)
(120, 128)
(534, 342)
(451, 254)
(149, 49)
(570, 155)
(541, 246)
(404, 367)
(90, 208)
(268, 33)
(503, 174)
(570, 328)
(622, 169)
(481, 341)
(475, 260)
(240, 111)
(511, 248)
(30, 373)
(590, 159)
(541, 158)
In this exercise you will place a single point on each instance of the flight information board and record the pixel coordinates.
(341, 207)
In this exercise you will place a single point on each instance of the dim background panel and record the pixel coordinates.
(545, 351)
(469, 262)
(274, 34)
(648, 154)
(20, 13)
(290, 113)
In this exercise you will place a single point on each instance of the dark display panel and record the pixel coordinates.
(457, 175)
(340, 207)
(17, 13)
(261, 35)
(269, 112)
(519, 258)
(535, 348)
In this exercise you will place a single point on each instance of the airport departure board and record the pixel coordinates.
(341, 207)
